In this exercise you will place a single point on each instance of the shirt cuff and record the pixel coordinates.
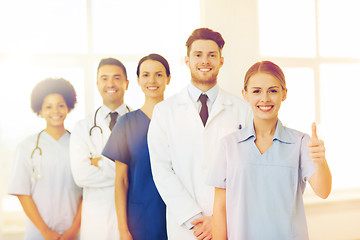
(188, 222)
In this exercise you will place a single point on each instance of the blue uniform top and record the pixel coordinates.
(128, 144)
(264, 191)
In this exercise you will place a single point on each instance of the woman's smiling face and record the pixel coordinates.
(264, 93)
(54, 110)
(153, 79)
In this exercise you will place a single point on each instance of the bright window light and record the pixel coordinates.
(142, 27)
(287, 28)
(339, 33)
(297, 111)
(340, 121)
(42, 26)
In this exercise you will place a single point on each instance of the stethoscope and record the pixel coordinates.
(97, 126)
(94, 127)
(34, 175)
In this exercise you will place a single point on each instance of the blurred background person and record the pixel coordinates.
(41, 176)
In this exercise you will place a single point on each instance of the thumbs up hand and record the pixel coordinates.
(321, 180)
(316, 147)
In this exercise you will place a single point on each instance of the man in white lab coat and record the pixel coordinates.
(183, 137)
(91, 171)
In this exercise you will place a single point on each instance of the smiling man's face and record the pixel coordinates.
(112, 84)
(204, 61)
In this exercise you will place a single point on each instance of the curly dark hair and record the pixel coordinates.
(51, 86)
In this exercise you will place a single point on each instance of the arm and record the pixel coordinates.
(73, 231)
(121, 192)
(85, 174)
(219, 217)
(33, 214)
(321, 180)
(176, 197)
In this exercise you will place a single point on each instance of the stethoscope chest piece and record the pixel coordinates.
(95, 126)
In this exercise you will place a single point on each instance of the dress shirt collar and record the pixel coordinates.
(121, 110)
(195, 93)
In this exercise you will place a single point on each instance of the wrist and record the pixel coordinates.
(73, 230)
(123, 229)
(45, 231)
(188, 223)
(321, 163)
(43, 228)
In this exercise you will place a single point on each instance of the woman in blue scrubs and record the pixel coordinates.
(261, 171)
(140, 210)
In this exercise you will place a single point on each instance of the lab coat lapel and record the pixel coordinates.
(187, 109)
(220, 103)
(183, 97)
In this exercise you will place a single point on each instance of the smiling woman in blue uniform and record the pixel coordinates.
(261, 171)
(140, 209)
(41, 176)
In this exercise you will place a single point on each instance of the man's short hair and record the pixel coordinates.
(112, 61)
(205, 34)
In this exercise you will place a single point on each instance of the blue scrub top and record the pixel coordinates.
(128, 144)
(264, 191)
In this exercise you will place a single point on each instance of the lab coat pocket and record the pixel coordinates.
(136, 220)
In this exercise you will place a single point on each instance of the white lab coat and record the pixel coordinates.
(98, 217)
(182, 151)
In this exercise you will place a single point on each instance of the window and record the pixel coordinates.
(41, 26)
(320, 56)
(338, 36)
(339, 89)
(287, 28)
(299, 81)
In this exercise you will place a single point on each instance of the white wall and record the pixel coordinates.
(237, 21)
